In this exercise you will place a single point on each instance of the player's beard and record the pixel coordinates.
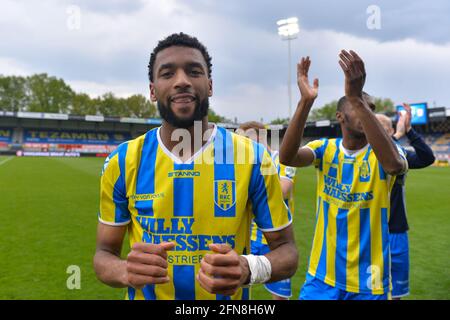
(200, 111)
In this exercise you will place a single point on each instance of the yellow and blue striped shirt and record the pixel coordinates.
(284, 172)
(210, 199)
(351, 247)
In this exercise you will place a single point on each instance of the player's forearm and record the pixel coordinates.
(294, 135)
(111, 269)
(383, 146)
(424, 154)
(284, 261)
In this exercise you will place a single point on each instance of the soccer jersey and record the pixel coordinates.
(350, 249)
(284, 172)
(212, 198)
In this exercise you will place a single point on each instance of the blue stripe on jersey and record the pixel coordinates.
(366, 178)
(146, 175)
(131, 293)
(257, 191)
(184, 282)
(286, 202)
(149, 292)
(385, 244)
(121, 206)
(224, 171)
(222, 297)
(245, 293)
(322, 266)
(364, 250)
(322, 152)
(347, 171)
(382, 172)
(183, 193)
(332, 172)
(341, 245)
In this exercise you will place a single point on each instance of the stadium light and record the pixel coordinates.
(288, 29)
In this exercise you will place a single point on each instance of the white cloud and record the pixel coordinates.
(111, 49)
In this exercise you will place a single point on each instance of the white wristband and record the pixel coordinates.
(260, 268)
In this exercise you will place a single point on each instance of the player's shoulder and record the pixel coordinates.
(122, 149)
(241, 142)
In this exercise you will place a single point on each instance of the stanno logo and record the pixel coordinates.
(183, 174)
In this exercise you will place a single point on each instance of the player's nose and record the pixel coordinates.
(182, 80)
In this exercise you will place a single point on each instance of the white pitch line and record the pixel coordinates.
(6, 160)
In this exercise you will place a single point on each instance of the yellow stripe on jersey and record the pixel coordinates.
(351, 246)
(284, 172)
(211, 199)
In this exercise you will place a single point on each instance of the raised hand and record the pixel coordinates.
(408, 116)
(307, 91)
(400, 129)
(355, 73)
(222, 272)
(147, 264)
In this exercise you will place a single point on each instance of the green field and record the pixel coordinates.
(48, 212)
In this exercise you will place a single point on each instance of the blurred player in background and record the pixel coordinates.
(280, 290)
(350, 252)
(421, 157)
(188, 210)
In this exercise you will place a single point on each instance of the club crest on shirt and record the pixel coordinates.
(364, 170)
(225, 194)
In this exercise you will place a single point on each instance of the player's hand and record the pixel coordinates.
(400, 128)
(408, 116)
(147, 264)
(355, 73)
(224, 271)
(307, 91)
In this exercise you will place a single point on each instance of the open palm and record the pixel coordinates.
(306, 90)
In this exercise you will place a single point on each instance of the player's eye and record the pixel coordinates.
(196, 72)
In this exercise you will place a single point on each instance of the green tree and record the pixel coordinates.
(280, 121)
(326, 112)
(383, 105)
(48, 94)
(109, 105)
(13, 95)
(140, 107)
(82, 104)
(214, 117)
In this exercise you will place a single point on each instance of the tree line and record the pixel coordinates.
(44, 93)
(328, 111)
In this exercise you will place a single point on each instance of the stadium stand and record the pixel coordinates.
(48, 134)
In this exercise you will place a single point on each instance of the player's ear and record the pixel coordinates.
(210, 89)
(339, 117)
(152, 92)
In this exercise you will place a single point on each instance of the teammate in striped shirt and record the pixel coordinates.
(350, 252)
(280, 290)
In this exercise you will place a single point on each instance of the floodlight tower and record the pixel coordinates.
(288, 29)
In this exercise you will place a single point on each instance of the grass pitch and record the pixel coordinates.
(48, 212)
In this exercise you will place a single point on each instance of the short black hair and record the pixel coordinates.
(183, 40)
(343, 102)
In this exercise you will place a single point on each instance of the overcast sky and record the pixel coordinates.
(108, 47)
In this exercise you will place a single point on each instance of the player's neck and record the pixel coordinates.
(350, 142)
(193, 136)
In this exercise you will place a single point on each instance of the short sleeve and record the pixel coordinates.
(317, 147)
(269, 209)
(287, 172)
(113, 201)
